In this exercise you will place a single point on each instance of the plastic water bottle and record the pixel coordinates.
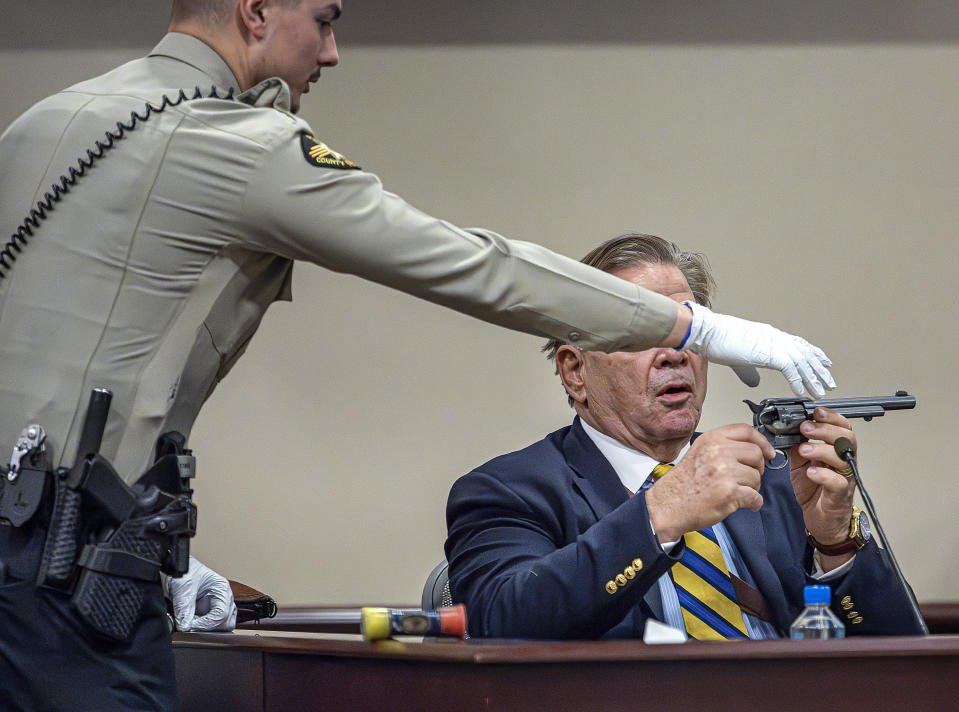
(816, 620)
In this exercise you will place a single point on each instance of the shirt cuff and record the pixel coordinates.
(669, 545)
(819, 575)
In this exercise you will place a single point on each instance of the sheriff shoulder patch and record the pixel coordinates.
(319, 154)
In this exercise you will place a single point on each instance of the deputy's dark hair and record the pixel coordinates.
(633, 249)
(210, 12)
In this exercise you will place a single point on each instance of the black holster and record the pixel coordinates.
(107, 542)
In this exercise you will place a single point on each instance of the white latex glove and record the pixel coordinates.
(743, 344)
(201, 588)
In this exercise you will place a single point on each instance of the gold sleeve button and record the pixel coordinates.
(847, 605)
(629, 572)
(856, 621)
(611, 587)
(620, 580)
(637, 564)
(847, 599)
(852, 614)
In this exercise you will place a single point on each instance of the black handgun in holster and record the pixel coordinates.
(107, 541)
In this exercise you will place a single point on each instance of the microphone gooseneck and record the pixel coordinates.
(844, 448)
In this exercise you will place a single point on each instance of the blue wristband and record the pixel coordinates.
(689, 329)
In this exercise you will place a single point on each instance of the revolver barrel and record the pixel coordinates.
(778, 419)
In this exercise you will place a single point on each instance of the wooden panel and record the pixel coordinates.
(941, 617)
(219, 678)
(300, 673)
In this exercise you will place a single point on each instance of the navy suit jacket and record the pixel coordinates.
(536, 536)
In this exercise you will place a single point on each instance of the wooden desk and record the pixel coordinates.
(293, 672)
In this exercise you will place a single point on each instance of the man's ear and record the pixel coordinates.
(253, 18)
(571, 364)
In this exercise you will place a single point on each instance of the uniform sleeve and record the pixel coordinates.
(344, 220)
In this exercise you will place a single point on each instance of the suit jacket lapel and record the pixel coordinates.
(602, 490)
(595, 477)
(746, 529)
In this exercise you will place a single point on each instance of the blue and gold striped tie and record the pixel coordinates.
(706, 595)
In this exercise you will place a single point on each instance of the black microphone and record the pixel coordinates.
(847, 453)
(845, 449)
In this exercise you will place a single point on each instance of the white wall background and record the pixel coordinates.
(821, 178)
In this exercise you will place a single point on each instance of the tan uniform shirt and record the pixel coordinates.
(155, 269)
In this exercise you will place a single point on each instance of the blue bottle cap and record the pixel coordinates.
(816, 595)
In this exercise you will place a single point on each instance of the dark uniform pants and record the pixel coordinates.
(50, 661)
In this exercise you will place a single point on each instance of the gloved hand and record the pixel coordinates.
(742, 344)
(202, 600)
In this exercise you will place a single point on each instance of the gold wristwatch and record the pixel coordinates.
(859, 534)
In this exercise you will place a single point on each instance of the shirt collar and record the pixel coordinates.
(632, 466)
(198, 54)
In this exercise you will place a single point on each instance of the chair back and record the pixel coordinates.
(436, 592)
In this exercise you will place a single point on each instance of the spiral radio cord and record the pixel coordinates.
(19, 239)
